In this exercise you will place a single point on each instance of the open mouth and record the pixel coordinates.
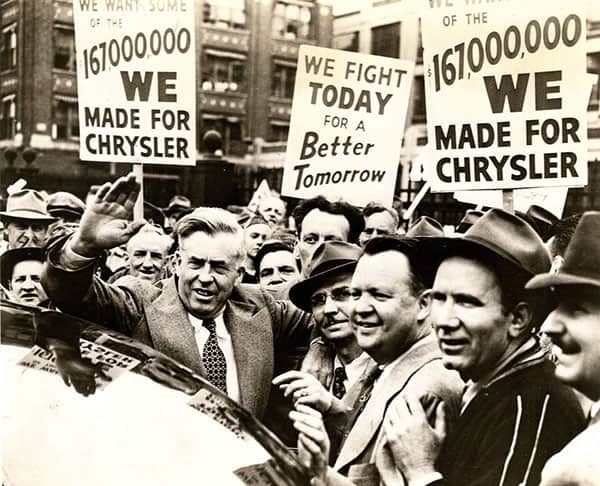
(331, 325)
(453, 345)
(203, 294)
(366, 325)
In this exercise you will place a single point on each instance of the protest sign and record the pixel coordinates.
(506, 94)
(136, 85)
(347, 124)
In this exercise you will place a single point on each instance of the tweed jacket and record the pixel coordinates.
(266, 335)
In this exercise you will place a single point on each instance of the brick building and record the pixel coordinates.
(246, 52)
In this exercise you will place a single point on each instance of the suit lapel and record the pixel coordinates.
(369, 421)
(252, 341)
(171, 330)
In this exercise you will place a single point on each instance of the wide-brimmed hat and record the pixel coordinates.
(26, 204)
(500, 234)
(329, 258)
(10, 258)
(177, 204)
(64, 202)
(468, 220)
(425, 226)
(543, 220)
(581, 264)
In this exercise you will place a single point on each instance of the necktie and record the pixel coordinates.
(339, 375)
(213, 358)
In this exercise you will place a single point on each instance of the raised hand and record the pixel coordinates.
(107, 220)
(313, 442)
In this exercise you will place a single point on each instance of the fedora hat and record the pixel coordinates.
(500, 234)
(64, 202)
(468, 220)
(543, 220)
(10, 258)
(178, 204)
(329, 258)
(425, 226)
(581, 265)
(26, 204)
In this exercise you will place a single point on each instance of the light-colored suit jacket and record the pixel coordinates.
(578, 464)
(266, 334)
(418, 372)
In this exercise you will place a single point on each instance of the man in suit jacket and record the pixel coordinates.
(574, 328)
(201, 317)
(391, 324)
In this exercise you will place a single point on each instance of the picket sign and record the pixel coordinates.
(138, 210)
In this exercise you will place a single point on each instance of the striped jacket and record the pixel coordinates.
(511, 427)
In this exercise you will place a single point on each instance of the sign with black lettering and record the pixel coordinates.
(506, 94)
(136, 81)
(347, 125)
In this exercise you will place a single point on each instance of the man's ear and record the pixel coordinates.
(520, 317)
(240, 275)
(177, 263)
(424, 303)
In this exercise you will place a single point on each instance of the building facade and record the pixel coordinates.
(246, 54)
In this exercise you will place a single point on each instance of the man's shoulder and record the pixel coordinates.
(142, 288)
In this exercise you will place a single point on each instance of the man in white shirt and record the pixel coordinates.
(233, 335)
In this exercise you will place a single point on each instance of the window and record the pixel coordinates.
(291, 20)
(224, 72)
(8, 48)
(65, 117)
(64, 48)
(225, 13)
(284, 77)
(419, 100)
(7, 118)
(279, 132)
(346, 42)
(593, 66)
(385, 40)
(230, 129)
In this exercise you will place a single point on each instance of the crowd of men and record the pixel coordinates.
(384, 356)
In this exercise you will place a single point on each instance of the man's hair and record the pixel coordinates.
(155, 231)
(374, 207)
(563, 231)
(420, 270)
(211, 221)
(271, 246)
(350, 212)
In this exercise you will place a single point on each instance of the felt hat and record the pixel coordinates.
(177, 204)
(26, 204)
(468, 220)
(425, 226)
(330, 258)
(581, 264)
(10, 258)
(65, 202)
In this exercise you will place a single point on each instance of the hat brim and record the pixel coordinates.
(546, 280)
(10, 258)
(24, 214)
(301, 292)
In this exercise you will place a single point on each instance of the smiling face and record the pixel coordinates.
(377, 224)
(317, 227)
(26, 282)
(384, 312)
(574, 328)
(24, 232)
(468, 317)
(209, 268)
(331, 306)
(146, 255)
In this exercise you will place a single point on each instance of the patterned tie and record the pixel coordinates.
(339, 375)
(213, 358)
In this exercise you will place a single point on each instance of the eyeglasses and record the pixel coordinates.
(341, 294)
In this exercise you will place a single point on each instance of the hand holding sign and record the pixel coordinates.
(106, 222)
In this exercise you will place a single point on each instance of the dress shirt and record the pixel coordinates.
(224, 340)
(354, 369)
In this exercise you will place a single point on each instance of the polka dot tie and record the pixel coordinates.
(339, 375)
(213, 358)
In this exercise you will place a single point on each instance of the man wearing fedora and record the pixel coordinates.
(21, 275)
(326, 293)
(574, 328)
(26, 219)
(515, 414)
(66, 207)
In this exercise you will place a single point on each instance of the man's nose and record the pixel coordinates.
(147, 261)
(553, 325)
(28, 284)
(205, 274)
(362, 306)
(330, 307)
(444, 315)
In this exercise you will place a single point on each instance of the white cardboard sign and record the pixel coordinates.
(347, 124)
(136, 81)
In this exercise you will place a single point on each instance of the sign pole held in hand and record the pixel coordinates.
(138, 210)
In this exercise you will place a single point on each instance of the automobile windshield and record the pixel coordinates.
(147, 420)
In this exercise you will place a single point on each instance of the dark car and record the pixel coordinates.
(131, 415)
